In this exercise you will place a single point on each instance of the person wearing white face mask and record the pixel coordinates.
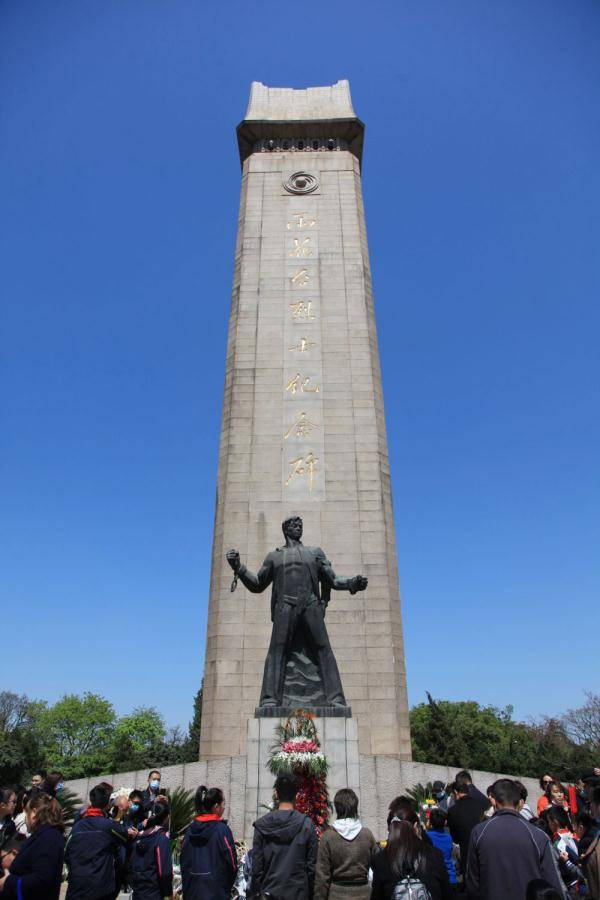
(152, 792)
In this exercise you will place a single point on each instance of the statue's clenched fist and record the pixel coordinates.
(358, 583)
(233, 558)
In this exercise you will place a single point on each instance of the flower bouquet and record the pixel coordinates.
(298, 751)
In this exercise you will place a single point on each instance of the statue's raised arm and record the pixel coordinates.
(255, 583)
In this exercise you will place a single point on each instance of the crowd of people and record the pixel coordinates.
(489, 846)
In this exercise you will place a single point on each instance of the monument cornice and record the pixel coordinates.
(252, 131)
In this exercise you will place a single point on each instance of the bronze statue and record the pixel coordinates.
(300, 664)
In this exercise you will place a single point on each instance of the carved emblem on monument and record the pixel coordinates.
(301, 183)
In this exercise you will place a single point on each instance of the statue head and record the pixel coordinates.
(292, 527)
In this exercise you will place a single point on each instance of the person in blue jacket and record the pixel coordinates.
(440, 838)
(151, 861)
(208, 858)
(36, 872)
(92, 850)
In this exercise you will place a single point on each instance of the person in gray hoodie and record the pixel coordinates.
(284, 849)
(345, 853)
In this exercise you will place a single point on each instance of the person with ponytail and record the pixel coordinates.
(36, 872)
(151, 862)
(208, 857)
(409, 863)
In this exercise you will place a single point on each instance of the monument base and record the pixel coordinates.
(338, 736)
(321, 712)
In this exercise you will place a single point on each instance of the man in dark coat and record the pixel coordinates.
(151, 794)
(506, 852)
(284, 850)
(92, 851)
(474, 792)
(463, 815)
(302, 580)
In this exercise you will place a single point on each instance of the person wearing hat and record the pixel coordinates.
(440, 796)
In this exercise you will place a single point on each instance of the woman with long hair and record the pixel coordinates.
(409, 860)
(36, 872)
(53, 783)
(151, 862)
(208, 858)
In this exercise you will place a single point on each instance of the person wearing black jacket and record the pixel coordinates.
(92, 851)
(152, 792)
(151, 863)
(284, 849)
(465, 778)
(36, 871)
(408, 855)
(208, 858)
(506, 852)
(8, 802)
(465, 813)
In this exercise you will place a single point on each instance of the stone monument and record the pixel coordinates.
(303, 436)
(303, 442)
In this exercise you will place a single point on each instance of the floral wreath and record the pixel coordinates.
(298, 751)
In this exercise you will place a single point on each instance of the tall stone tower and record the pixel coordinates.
(303, 428)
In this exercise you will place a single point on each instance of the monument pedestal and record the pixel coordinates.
(338, 736)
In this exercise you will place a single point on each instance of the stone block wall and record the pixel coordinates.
(248, 784)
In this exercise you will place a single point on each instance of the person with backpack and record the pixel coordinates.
(208, 857)
(151, 862)
(93, 849)
(410, 867)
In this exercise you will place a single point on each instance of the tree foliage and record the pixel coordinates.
(19, 743)
(583, 724)
(81, 736)
(76, 734)
(135, 740)
(466, 735)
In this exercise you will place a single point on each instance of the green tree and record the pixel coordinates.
(137, 740)
(76, 734)
(192, 743)
(465, 734)
(20, 750)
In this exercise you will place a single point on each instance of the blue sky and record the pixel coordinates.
(120, 189)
